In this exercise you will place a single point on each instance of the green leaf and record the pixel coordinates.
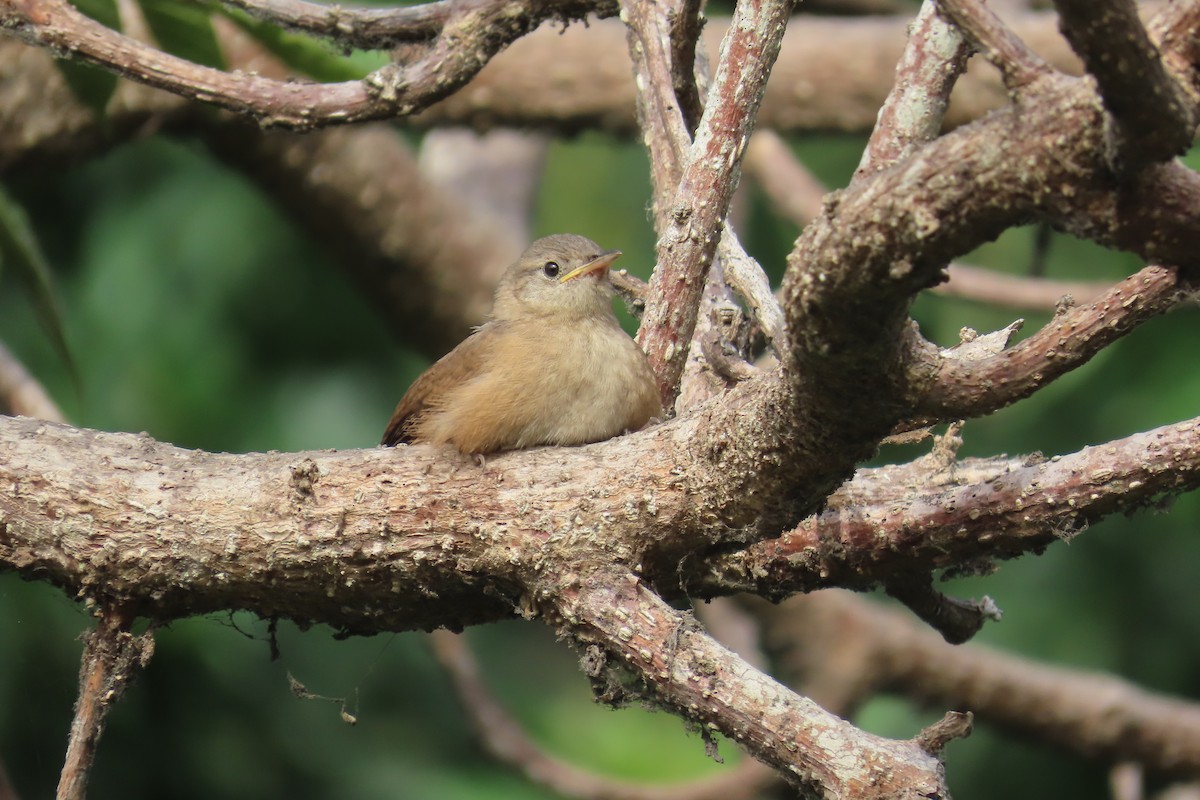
(306, 55)
(92, 86)
(184, 28)
(20, 250)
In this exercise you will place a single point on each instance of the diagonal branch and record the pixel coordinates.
(685, 669)
(1018, 64)
(710, 175)
(958, 388)
(914, 518)
(508, 742)
(112, 657)
(1152, 118)
(1088, 714)
(936, 54)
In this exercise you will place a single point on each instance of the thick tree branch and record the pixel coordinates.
(917, 517)
(1152, 119)
(687, 670)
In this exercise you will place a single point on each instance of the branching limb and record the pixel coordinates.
(1092, 715)
(960, 388)
(384, 28)
(1019, 65)
(507, 741)
(112, 657)
(1152, 118)
(469, 37)
(709, 177)
(883, 523)
(685, 669)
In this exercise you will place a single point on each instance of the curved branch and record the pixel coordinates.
(467, 42)
(960, 388)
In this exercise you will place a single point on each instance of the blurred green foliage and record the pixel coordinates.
(201, 315)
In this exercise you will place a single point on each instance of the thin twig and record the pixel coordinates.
(112, 657)
(660, 118)
(507, 742)
(367, 28)
(748, 281)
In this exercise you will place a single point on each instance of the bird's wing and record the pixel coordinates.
(451, 370)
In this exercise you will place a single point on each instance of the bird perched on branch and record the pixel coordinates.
(551, 367)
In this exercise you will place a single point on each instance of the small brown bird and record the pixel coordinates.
(551, 366)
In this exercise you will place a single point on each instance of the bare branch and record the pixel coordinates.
(1019, 65)
(685, 669)
(936, 54)
(367, 28)
(1096, 716)
(689, 239)
(960, 388)
(894, 520)
(1152, 119)
(507, 741)
(660, 118)
(748, 281)
(112, 657)
(467, 41)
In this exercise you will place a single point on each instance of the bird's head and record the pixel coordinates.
(560, 275)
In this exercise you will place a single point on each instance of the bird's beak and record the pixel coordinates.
(597, 264)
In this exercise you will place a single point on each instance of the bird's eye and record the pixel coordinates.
(550, 269)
